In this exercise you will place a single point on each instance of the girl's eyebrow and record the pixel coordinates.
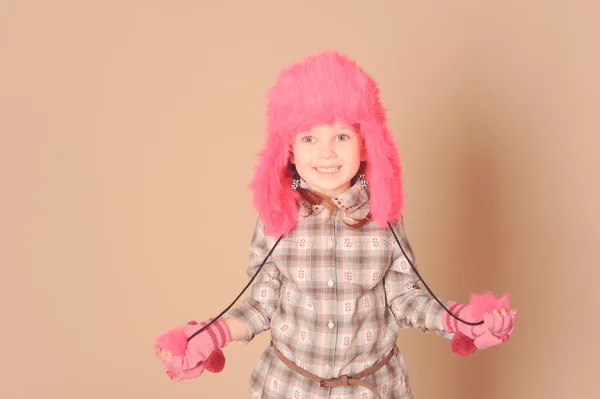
(346, 128)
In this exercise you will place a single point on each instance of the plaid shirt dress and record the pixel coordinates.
(334, 299)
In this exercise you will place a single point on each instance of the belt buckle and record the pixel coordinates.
(344, 378)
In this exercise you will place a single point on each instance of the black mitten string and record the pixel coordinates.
(271, 251)
(238, 297)
(426, 286)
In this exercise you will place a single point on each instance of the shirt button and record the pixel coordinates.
(330, 283)
(329, 243)
(331, 324)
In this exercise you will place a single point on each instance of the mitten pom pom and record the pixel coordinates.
(462, 345)
(215, 362)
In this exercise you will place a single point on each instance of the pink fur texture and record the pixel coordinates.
(175, 341)
(324, 88)
(486, 302)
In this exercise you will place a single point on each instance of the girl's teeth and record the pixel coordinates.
(327, 170)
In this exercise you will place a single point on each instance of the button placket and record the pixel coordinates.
(333, 249)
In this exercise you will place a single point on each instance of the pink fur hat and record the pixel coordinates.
(320, 89)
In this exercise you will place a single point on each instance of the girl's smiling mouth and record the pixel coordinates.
(328, 170)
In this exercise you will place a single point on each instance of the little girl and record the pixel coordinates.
(337, 276)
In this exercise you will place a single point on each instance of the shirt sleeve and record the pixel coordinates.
(411, 305)
(256, 310)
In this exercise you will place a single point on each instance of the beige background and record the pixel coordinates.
(129, 131)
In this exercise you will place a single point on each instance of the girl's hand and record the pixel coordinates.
(185, 359)
(497, 327)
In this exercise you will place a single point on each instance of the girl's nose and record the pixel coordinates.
(326, 151)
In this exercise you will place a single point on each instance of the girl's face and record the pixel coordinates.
(327, 157)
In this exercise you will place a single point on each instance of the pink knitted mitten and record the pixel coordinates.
(190, 359)
(494, 330)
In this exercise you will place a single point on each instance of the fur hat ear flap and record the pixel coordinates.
(274, 200)
(383, 173)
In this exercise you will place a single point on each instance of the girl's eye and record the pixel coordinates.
(308, 139)
(342, 137)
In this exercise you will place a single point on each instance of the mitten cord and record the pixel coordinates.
(238, 297)
(271, 251)
(426, 286)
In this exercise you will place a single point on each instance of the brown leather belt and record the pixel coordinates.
(344, 380)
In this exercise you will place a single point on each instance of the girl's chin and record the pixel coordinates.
(328, 190)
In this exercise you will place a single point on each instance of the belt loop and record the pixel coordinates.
(344, 380)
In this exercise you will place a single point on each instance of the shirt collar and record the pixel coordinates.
(348, 201)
